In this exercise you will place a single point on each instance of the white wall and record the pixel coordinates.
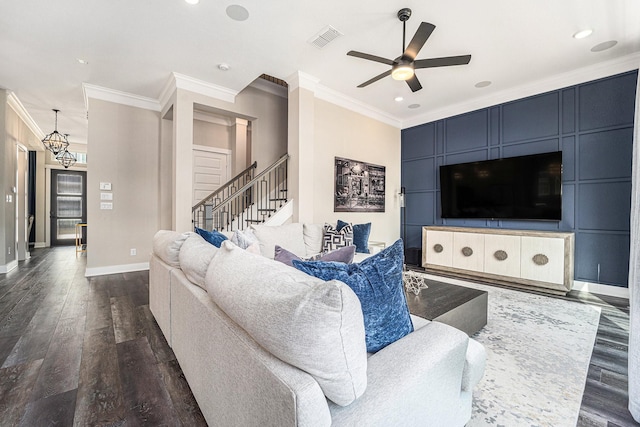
(211, 135)
(124, 148)
(343, 133)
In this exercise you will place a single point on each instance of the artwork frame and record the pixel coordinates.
(359, 186)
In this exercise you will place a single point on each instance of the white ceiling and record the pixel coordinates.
(134, 45)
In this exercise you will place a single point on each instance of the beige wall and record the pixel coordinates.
(13, 131)
(343, 133)
(124, 148)
(211, 135)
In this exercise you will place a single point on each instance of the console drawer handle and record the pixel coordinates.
(438, 248)
(500, 255)
(540, 259)
(467, 251)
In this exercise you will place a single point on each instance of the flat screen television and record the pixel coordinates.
(516, 188)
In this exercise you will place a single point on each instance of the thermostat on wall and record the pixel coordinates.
(105, 186)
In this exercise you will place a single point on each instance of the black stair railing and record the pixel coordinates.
(253, 202)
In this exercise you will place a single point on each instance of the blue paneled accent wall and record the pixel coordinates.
(592, 123)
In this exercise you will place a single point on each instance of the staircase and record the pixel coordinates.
(244, 200)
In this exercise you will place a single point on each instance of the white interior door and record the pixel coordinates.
(210, 171)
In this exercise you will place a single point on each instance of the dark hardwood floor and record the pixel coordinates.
(88, 352)
(85, 352)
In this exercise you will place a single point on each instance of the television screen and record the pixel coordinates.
(524, 187)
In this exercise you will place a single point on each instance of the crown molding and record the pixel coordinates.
(269, 87)
(24, 115)
(217, 120)
(302, 80)
(559, 81)
(204, 88)
(335, 97)
(118, 97)
(167, 91)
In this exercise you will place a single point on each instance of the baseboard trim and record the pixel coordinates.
(8, 267)
(115, 269)
(39, 245)
(596, 288)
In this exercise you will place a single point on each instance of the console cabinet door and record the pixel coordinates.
(502, 255)
(542, 259)
(468, 251)
(438, 247)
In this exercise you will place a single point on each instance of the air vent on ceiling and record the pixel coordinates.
(326, 35)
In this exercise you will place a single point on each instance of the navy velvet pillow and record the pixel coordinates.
(214, 237)
(360, 235)
(377, 281)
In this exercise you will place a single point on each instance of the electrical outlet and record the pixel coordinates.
(133, 251)
(9, 250)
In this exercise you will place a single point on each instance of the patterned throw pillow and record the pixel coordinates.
(333, 239)
(377, 281)
(360, 235)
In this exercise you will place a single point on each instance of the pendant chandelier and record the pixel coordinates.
(66, 158)
(55, 141)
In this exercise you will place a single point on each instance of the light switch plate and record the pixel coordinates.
(106, 196)
(106, 205)
(105, 186)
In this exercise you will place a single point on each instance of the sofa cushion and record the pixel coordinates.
(313, 238)
(378, 283)
(288, 236)
(361, 234)
(195, 256)
(344, 255)
(214, 237)
(333, 239)
(314, 325)
(167, 244)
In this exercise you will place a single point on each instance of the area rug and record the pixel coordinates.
(538, 353)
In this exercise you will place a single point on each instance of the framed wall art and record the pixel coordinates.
(359, 186)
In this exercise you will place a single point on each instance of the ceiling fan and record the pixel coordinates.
(404, 66)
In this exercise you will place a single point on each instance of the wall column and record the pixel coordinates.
(182, 163)
(239, 141)
(301, 145)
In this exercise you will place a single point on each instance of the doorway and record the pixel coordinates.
(68, 205)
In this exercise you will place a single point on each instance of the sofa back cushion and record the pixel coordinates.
(167, 244)
(195, 255)
(288, 236)
(314, 325)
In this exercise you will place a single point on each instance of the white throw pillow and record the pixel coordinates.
(195, 256)
(313, 238)
(288, 236)
(167, 244)
(314, 325)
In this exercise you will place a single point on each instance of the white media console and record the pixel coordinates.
(536, 260)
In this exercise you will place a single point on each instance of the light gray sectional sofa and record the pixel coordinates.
(263, 344)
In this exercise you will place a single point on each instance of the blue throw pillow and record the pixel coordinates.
(377, 281)
(214, 237)
(360, 235)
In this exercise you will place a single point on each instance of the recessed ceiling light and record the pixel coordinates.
(224, 67)
(82, 61)
(414, 106)
(398, 98)
(237, 12)
(192, 1)
(583, 33)
(482, 84)
(604, 46)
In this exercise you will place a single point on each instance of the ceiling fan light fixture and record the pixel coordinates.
(402, 72)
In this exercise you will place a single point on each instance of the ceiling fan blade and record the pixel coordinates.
(414, 84)
(442, 62)
(370, 57)
(375, 79)
(419, 39)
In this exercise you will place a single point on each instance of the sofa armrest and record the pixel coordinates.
(414, 381)
(474, 365)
